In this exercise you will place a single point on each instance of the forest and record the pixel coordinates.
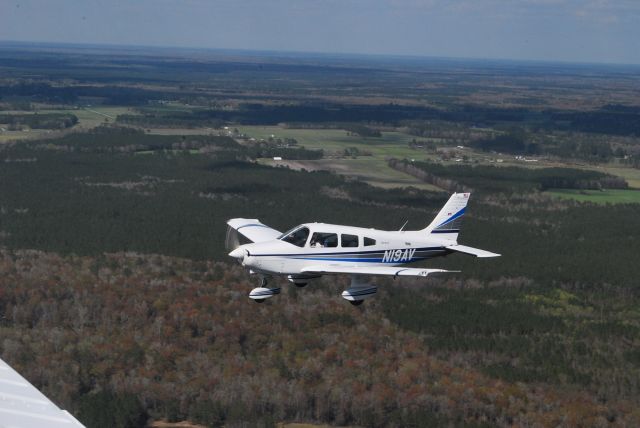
(118, 300)
(39, 121)
(555, 313)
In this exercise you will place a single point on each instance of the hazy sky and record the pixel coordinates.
(568, 30)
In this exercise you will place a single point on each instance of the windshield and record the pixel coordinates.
(296, 237)
(288, 232)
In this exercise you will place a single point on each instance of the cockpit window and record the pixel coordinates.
(349, 240)
(321, 240)
(298, 237)
(288, 232)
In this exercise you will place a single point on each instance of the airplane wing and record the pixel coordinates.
(253, 229)
(23, 406)
(473, 251)
(373, 270)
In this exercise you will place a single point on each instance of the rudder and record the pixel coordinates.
(446, 225)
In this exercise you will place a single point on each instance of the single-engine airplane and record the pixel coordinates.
(311, 250)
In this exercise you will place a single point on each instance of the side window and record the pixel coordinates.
(368, 242)
(321, 240)
(349, 240)
(297, 237)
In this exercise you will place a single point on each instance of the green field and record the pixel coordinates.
(88, 117)
(371, 168)
(609, 196)
(334, 141)
(6, 136)
(632, 175)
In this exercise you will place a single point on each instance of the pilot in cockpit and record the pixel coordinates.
(315, 242)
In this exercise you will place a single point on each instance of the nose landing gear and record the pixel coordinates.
(262, 293)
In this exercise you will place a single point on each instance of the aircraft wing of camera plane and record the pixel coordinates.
(23, 406)
(311, 250)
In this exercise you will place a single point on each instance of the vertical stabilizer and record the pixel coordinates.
(447, 223)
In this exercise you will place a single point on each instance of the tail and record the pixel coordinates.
(447, 223)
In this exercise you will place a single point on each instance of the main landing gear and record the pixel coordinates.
(359, 290)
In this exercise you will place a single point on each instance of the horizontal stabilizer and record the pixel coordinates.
(372, 270)
(473, 251)
(253, 229)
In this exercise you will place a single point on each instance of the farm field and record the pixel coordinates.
(88, 118)
(371, 170)
(632, 175)
(6, 136)
(392, 144)
(371, 167)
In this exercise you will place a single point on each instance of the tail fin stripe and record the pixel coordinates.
(453, 217)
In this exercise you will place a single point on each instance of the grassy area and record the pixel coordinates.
(610, 196)
(6, 136)
(91, 117)
(373, 171)
(88, 117)
(632, 175)
(371, 168)
(391, 144)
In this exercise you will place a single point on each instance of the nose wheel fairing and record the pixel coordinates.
(260, 294)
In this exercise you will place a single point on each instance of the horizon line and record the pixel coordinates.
(275, 52)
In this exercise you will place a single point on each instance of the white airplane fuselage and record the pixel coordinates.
(391, 248)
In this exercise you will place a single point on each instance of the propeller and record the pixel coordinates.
(233, 241)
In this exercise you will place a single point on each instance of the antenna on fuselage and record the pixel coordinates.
(405, 223)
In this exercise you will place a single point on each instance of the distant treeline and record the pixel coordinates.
(607, 121)
(70, 94)
(362, 130)
(113, 139)
(40, 120)
(513, 142)
(509, 179)
(521, 143)
(613, 119)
